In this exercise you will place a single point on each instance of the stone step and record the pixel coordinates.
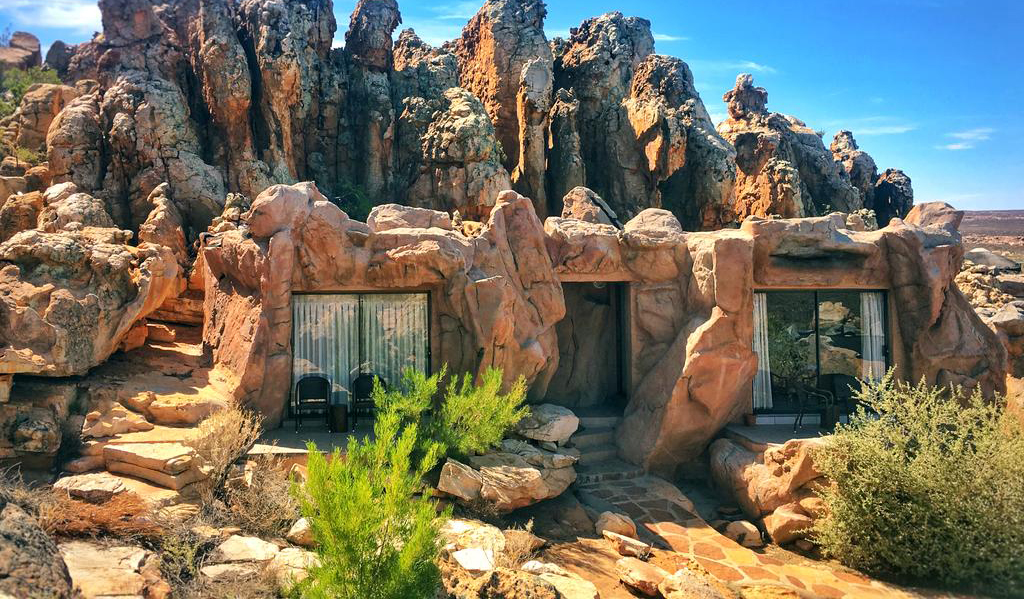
(613, 469)
(593, 456)
(594, 437)
(599, 421)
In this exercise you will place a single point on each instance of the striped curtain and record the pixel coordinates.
(325, 340)
(872, 314)
(762, 379)
(394, 334)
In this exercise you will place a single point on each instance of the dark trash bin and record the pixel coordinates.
(339, 418)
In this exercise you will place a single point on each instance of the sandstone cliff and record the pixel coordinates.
(216, 96)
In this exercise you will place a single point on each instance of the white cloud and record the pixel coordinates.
(884, 130)
(978, 134)
(872, 125)
(956, 146)
(664, 37)
(457, 11)
(79, 16)
(731, 66)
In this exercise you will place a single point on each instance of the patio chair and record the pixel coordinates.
(312, 396)
(809, 395)
(362, 395)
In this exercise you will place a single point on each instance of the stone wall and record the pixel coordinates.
(498, 299)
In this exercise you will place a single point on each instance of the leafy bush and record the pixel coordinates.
(929, 487)
(15, 82)
(377, 533)
(475, 418)
(376, 528)
(221, 440)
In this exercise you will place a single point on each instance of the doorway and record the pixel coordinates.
(592, 356)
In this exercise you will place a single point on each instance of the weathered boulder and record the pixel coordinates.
(548, 422)
(762, 483)
(744, 533)
(617, 523)
(19, 213)
(396, 216)
(788, 523)
(938, 215)
(238, 548)
(21, 52)
(687, 584)
(73, 213)
(31, 121)
(99, 571)
(30, 563)
(516, 477)
(894, 196)
(993, 260)
(585, 205)
(114, 421)
(460, 165)
(69, 298)
(301, 533)
(98, 487)
(640, 576)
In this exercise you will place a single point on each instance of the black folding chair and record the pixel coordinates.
(312, 396)
(362, 395)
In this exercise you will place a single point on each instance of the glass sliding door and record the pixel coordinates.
(394, 332)
(827, 339)
(339, 336)
(325, 339)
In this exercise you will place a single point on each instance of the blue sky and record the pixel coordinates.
(934, 87)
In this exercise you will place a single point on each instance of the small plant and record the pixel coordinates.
(221, 440)
(519, 547)
(927, 486)
(354, 200)
(125, 516)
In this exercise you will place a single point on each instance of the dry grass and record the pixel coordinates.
(221, 440)
(262, 503)
(34, 499)
(125, 516)
(519, 548)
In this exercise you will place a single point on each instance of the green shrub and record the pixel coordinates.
(17, 82)
(475, 418)
(929, 488)
(377, 533)
(375, 525)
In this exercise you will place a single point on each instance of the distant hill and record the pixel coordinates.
(1001, 231)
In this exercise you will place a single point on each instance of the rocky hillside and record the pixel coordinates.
(220, 96)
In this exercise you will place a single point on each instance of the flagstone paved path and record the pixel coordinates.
(669, 521)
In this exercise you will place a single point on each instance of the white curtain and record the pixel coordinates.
(763, 379)
(325, 339)
(395, 334)
(872, 313)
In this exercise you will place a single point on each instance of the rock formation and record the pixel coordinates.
(782, 166)
(889, 195)
(22, 52)
(494, 309)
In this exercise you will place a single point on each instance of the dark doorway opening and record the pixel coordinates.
(592, 359)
